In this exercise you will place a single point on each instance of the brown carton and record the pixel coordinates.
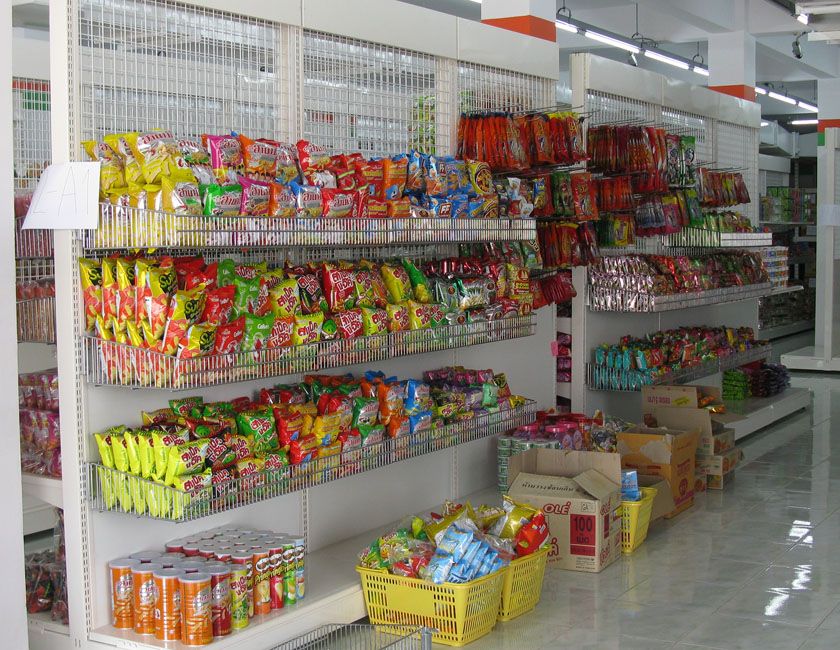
(580, 495)
(719, 466)
(711, 436)
(677, 396)
(664, 502)
(668, 453)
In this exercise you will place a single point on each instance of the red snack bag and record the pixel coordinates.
(313, 160)
(530, 536)
(339, 288)
(337, 203)
(206, 276)
(218, 305)
(311, 296)
(375, 209)
(341, 167)
(229, 336)
(184, 267)
(281, 333)
(349, 323)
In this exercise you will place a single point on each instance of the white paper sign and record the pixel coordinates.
(66, 198)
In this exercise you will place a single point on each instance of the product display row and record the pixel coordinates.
(40, 430)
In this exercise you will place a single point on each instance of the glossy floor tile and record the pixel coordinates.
(753, 567)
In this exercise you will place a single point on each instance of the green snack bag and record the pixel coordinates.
(146, 453)
(137, 489)
(260, 425)
(131, 452)
(118, 448)
(247, 296)
(221, 200)
(162, 442)
(183, 459)
(365, 411)
(225, 273)
(329, 329)
(104, 442)
(489, 395)
(419, 283)
(182, 407)
(106, 483)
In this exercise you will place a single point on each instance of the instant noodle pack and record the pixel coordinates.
(225, 452)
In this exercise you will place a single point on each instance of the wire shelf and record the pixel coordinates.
(121, 227)
(602, 298)
(32, 243)
(620, 380)
(705, 238)
(111, 490)
(118, 364)
(361, 636)
(36, 320)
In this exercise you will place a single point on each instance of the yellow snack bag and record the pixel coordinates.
(131, 166)
(111, 172)
(153, 150)
(180, 194)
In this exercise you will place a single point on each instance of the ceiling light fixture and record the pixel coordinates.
(763, 123)
(808, 107)
(760, 91)
(782, 98)
(803, 18)
(566, 27)
(804, 122)
(664, 58)
(699, 70)
(609, 40)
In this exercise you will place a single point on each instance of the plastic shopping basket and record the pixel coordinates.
(523, 585)
(460, 613)
(635, 519)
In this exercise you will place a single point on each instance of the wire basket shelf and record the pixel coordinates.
(615, 379)
(36, 320)
(123, 227)
(118, 364)
(361, 636)
(32, 242)
(112, 490)
(704, 238)
(605, 298)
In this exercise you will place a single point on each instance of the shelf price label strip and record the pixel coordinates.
(118, 364)
(111, 490)
(123, 227)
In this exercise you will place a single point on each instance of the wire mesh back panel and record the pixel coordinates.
(606, 108)
(372, 98)
(701, 128)
(31, 131)
(485, 88)
(149, 64)
(737, 148)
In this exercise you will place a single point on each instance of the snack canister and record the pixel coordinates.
(207, 551)
(196, 626)
(262, 580)
(300, 579)
(168, 604)
(191, 566)
(220, 600)
(143, 587)
(175, 546)
(146, 557)
(239, 596)
(275, 582)
(169, 559)
(245, 558)
(190, 548)
(289, 584)
(222, 553)
(122, 592)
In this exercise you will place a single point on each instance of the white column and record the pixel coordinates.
(531, 17)
(732, 64)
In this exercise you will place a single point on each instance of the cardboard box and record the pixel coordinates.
(580, 494)
(664, 502)
(719, 482)
(668, 453)
(700, 478)
(677, 396)
(721, 464)
(690, 419)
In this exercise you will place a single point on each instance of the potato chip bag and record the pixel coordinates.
(185, 308)
(421, 316)
(374, 321)
(218, 305)
(111, 172)
(261, 428)
(337, 203)
(339, 288)
(398, 208)
(188, 458)
(246, 296)
(198, 341)
(398, 320)
(397, 282)
(125, 298)
(390, 396)
(259, 158)
(311, 297)
(287, 168)
(419, 282)
(131, 166)
(229, 337)
(109, 291)
(225, 157)
(365, 292)
(369, 174)
(349, 324)
(222, 200)
(313, 159)
(91, 277)
(257, 333)
(192, 152)
(161, 282)
(162, 442)
(139, 360)
(180, 194)
(394, 175)
(415, 182)
(308, 199)
(481, 178)
(281, 201)
(153, 150)
(307, 328)
(255, 197)
(284, 298)
(281, 332)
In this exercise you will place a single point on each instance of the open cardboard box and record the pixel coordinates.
(713, 438)
(580, 494)
(677, 396)
(663, 503)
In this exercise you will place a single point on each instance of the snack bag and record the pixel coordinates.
(398, 320)
(307, 328)
(255, 197)
(222, 200)
(160, 283)
(91, 276)
(308, 199)
(111, 174)
(337, 203)
(246, 296)
(180, 194)
(229, 337)
(225, 157)
(261, 427)
(349, 323)
(339, 288)
(281, 332)
(256, 334)
(287, 168)
(481, 178)
(198, 341)
(284, 298)
(259, 158)
(394, 175)
(313, 162)
(218, 305)
(311, 297)
(281, 201)
(369, 175)
(109, 291)
(131, 167)
(397, 282)
(374, 321)
(153, 150)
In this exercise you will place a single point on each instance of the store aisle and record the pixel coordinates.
(754, 566)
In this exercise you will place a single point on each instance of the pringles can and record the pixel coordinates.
(240, 595)
(145, 596)
(275, 582)
(167, 609)
(245, 558)
(196, 625)
(262, 579)
(122, 592)
(220, 600)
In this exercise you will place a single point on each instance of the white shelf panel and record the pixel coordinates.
(760, 412)
(564, 324)
(564, 389)
(786, 330)
(46, 634)
(45, 488)
(333, 595)
(37, 515)
(810, 358)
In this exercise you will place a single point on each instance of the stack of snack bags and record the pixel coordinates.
(459, 545)
(40, 430)
(46, 578)
(216, 452)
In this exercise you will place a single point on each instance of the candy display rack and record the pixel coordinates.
(726, 136)
(285, 71)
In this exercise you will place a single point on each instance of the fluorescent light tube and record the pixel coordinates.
(760, 91)
(664, 58)
(804, 122)
(807, 106)
(609, 40)
(699, 70)
(566, 27)
(763, 123)
(782, 98)
(802, 18)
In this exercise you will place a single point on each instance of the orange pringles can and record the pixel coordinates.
(145, 596)
(168, 604)
(262, 581)
(122, 592)
(196, 625)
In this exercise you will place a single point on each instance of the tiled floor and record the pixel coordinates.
(755, 567)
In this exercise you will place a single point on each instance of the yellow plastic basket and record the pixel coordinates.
(523, 585)
(635, 520)
(460, 613)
